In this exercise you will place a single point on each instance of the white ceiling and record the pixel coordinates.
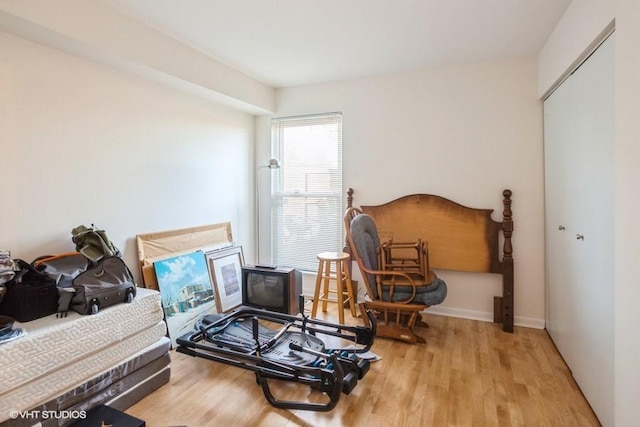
(294, 42)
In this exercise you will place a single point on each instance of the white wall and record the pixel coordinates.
(588, 18)
(464, 132)
(82, 143)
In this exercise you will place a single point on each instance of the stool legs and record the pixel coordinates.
(342, 279)
(316, 292)
(325, 292)
(340, 291)
(349, 291)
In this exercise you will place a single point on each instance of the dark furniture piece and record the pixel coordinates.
(103, 415)
(281, 347)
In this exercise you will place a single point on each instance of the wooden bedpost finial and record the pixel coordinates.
(350, 198)
(506, 214)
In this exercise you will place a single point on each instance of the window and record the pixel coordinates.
(306, 205)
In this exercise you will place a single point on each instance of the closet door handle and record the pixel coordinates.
(561, 227)
(579, 237)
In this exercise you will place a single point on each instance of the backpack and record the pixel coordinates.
(92, 243)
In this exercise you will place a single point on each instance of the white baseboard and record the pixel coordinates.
(525, 322)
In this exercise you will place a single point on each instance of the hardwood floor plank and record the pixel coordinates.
(468, 373)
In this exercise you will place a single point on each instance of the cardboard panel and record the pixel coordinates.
(153, 247)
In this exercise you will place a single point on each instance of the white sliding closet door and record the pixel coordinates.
(579, 183)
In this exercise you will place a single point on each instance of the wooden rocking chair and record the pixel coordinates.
(397, 278)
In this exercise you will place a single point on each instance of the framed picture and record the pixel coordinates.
(185, 291)
(225, 270)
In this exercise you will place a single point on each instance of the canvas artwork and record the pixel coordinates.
(186, 291)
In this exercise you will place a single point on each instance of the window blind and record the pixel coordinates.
(306, 193)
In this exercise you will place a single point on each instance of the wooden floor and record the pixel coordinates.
(469, 373)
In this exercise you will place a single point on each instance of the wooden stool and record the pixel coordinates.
(342, 279)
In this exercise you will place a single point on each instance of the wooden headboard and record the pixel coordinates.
(459, 238)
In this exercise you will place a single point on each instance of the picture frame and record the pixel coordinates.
(186, 291)
(225, 270)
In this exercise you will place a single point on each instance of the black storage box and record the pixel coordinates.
(30, 295)
(103, 415)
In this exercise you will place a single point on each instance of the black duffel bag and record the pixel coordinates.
(29, 295)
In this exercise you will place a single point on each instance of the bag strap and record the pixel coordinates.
(65, 295)
(23, 268)
(46, 258)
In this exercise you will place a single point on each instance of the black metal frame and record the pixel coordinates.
(332, 371)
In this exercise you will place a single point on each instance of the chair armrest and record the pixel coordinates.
(407, 280)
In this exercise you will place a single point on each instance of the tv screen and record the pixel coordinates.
(274, 289)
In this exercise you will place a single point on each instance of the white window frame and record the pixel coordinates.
(306, 193)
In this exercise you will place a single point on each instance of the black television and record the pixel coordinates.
(271, 288)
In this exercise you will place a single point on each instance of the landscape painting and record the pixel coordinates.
(186, 291)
